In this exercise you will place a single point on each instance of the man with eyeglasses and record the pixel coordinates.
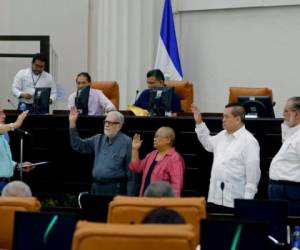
(284, 171)
(162, 164)
(112, 151)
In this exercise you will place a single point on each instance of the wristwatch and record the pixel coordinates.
(12, 126)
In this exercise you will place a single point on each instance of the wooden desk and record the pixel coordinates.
(69, 171)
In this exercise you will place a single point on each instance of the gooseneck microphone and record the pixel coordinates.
(77, 98)
(222, 186)
(21, 131)
(136, 95)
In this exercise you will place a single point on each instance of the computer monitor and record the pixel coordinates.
(41, 100)
(233, 234)
(160, 102)
(257, 106)
(94, 207)
(275, 212)
(43, 230)
(82, 100)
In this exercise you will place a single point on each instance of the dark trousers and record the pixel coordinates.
(114, 188)
(2, 185)
(286, 190)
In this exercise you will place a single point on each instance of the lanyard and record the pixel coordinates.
(35, 82)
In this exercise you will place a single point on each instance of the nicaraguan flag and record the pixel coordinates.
(167, 57)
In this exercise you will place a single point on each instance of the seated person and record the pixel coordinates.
(17, 189)
(98, 103)
(159, 189)
(163, 215)
(162, 164)
(155, 79)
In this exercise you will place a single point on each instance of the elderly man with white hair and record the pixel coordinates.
(112, 151)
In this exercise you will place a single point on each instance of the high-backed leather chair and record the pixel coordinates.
(8, 206)
(235, 92)
(95, 236)
(110, 89)
(185, 90)
(124, 209)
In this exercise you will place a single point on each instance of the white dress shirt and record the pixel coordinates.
(285, 165)
(236, 164)
(98, 102)
(26, 81)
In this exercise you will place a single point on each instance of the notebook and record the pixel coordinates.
(43, 231)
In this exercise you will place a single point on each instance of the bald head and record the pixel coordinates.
(159, 189)
(166, 132)
(16, 189)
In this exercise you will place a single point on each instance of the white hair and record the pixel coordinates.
(17, 189)
(118, 115)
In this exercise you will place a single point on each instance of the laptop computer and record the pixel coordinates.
(233, 234)
(43, 231)
(94, 207)
(275, 212)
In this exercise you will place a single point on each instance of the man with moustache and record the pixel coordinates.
(285, 167)
(156, 79)
(112, 151)
(26, 80)
(235, 171)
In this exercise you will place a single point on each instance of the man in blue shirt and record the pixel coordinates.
(7, 165)
(156, 79)
(112, 153)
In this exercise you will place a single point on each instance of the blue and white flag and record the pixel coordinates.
(167, 57)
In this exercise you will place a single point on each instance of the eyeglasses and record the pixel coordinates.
(109, 123)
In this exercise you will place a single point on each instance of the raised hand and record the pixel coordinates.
(73, 116)
(136, 141)
(197, 114)
(20, 119)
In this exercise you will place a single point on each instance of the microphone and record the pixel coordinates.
(21, 131)
(136, 95)
(222, 186)
(12, 104)
(77, 97)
